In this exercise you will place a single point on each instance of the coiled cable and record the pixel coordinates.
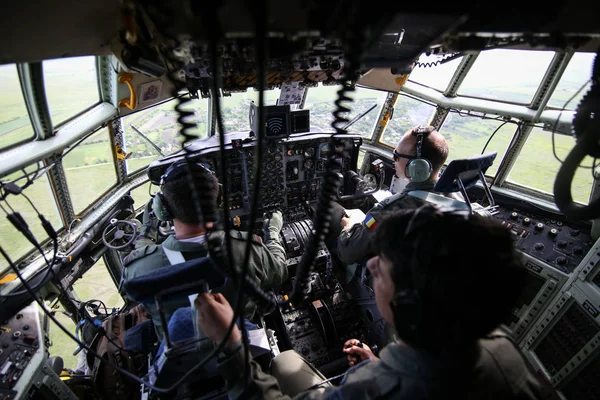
(332, 177)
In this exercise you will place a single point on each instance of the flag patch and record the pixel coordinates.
(370, 222)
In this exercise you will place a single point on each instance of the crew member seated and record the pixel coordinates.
(176, 201)
(445, 280)
(419, 156)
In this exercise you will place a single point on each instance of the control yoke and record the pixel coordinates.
(359, 187)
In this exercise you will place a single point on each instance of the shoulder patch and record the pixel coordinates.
(138, 254)
(370, 222)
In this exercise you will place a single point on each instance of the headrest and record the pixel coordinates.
(145, 287)
(468, 171)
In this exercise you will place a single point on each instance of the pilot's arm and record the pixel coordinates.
(214, 317)
(267, 259)
(354, 244)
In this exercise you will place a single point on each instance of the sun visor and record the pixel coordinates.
(383, 79)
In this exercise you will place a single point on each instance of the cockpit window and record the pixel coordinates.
(40, 193)
(71, 86)
(435, 76)
(154, 132)
(90, 170)
(408, 113)
(321, 102)
(15, 125)
(467, 136)
(96, 287)
(506, 75)
(236, 108)
(576, 74)
(536, 166)
(141, 194)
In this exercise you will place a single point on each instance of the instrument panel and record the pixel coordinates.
(292, 170)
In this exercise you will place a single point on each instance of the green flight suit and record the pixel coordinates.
(266, 266)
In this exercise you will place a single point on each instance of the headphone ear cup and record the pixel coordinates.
(418, 169)
(158, 207)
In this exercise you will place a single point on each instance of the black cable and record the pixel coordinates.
(331, 177)
(128, 374)
(333, 378)
(446, 59)
(493, 133)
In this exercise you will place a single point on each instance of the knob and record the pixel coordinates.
(561, 260)
(514, 215)
(539, 226)
(577, 251)
(526, 220)
(574, 232)
(305, 351)
(562, 244)
(553, 232)
(538, 246)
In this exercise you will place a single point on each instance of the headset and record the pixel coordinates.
(418, 168)
(160, 206)
(406, 304)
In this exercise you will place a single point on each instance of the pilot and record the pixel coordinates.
(421, 171)
(175, 201)
(428, 280)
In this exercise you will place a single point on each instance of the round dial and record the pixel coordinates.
(309, 152)
(309, 164)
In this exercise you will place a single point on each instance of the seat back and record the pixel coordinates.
(166, 289)
(439, 200)
(464, 172)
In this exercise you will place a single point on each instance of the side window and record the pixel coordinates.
(499, 75)
(95, 285)
(90, 170)
(578, 72)
(536, 166)
(154, 132)
(408, 113)
(15, 125)
(141, 194)
(468, 135)
(40, 193)
(435, 76)
(71, 86)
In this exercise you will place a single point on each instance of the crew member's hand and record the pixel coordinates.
(345, 222)
(274, 223)
(214, 317)
(358, 352)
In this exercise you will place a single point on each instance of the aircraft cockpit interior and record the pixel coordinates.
(293, 113)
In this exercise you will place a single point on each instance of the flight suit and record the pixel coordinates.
(354, 244)
(497, 371)
(266, 266)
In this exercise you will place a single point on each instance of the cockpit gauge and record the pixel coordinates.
(309, 152)
(370, 181)
(324, 150)
(309, 164)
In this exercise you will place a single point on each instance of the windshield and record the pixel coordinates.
(321, 103)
